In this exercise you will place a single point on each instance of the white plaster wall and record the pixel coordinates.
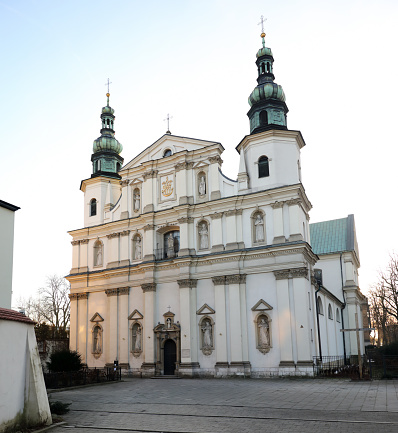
(330, 265)
(6, 255)
(23, 394)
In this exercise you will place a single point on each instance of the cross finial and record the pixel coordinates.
(108, 94)
(168, 118)
(262, 21)
(169, 308)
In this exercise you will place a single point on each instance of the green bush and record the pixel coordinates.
(65, 360)
(59, 408)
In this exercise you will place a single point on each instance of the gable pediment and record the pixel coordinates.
(97, 318)
(205, 309)
(136, 315)
(174, 143)
(262, 306)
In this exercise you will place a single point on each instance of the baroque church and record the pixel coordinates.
(180, 270)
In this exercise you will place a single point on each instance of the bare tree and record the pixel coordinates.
(384, 303)
(54, 302)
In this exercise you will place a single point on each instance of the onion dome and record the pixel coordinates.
(106, 157)
(267, 100)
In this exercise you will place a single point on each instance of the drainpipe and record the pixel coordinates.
(343, 307)
(317, 320)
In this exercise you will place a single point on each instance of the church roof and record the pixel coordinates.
(9, 206)
(335, 236)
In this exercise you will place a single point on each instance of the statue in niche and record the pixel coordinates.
(137, 199)
(170, 245)
(202, 186)
(97, 334)
(204, 237)
(206, 329)
(138, 248)
(263, 333)
(168, 323)
(98, 254)
(137, 338)
(259, 228)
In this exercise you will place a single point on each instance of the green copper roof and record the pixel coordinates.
(264, 51)
(333, 236)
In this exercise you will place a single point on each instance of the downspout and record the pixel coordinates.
(317, 321)
(343, 307)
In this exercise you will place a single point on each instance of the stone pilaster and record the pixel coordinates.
(149, 364)
(215, 163)
(279, 235)
(220, 331)
(185, 236)
(216, 232)
(125, 205)
(149, 230)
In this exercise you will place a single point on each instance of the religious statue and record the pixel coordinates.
(202, 186)
(136, 200)
(204, 237)
(138, 248)
(263, 333)
(206, 329)
(137, 342)
(168, 323)
(98, 254)
(259, 225)
(97, 340)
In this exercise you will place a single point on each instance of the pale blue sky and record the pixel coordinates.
(336, 61)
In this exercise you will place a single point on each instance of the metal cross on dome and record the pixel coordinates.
(168, 118)
(262, 23)
(108, 83)
(169, 308)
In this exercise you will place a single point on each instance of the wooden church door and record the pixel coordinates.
(170, 357)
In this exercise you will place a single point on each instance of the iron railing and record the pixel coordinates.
(163, 254)
(85, 376)
(340, 366)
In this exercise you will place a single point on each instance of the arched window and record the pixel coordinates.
(98, 253)
(171, 244)
(262, 68)
(263, 167)
(330, 312)
(320, 306)
(167, 152)
(268, 67)
(118, 166)
(263, 118)
(337, 315)
(93, 207)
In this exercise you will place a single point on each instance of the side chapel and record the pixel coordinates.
(180, 270)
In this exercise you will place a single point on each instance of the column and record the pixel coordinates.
(82, 325)
(149, 242)
(232, 243)
(113, 250)
(124, 248)
(148, 366)
(189, 343)
(216, 232)
(112, 327)
(123, 327)
(215, 163)
(302, 326)
(83, 255)
(124, 203)
(235, 323)
(185, 249)
(75, 256)
(243, 316)
(284, 318)
(294, 220)
(73, 321)
(279, 236)
(220, 331)
(148, 197)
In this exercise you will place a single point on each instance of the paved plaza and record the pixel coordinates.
(231, 405)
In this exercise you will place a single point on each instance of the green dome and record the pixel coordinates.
(267, 91)
(107, 142)
(264, 51)
(107, 110)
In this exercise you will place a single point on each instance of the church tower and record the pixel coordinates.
(106, 157)
(102, 189)
(268, 109)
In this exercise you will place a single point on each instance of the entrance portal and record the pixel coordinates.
(170, 357)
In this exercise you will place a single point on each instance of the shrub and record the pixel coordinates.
(65, 360)
(59, 408)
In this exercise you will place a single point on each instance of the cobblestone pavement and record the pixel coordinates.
(232, 405)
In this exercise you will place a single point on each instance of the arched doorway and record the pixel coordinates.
(170, 357)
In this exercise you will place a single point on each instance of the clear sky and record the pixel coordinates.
(336, 61)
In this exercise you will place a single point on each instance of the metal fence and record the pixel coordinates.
(83, 377)
(374, 366)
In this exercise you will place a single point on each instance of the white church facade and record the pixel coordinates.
(181, 270)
